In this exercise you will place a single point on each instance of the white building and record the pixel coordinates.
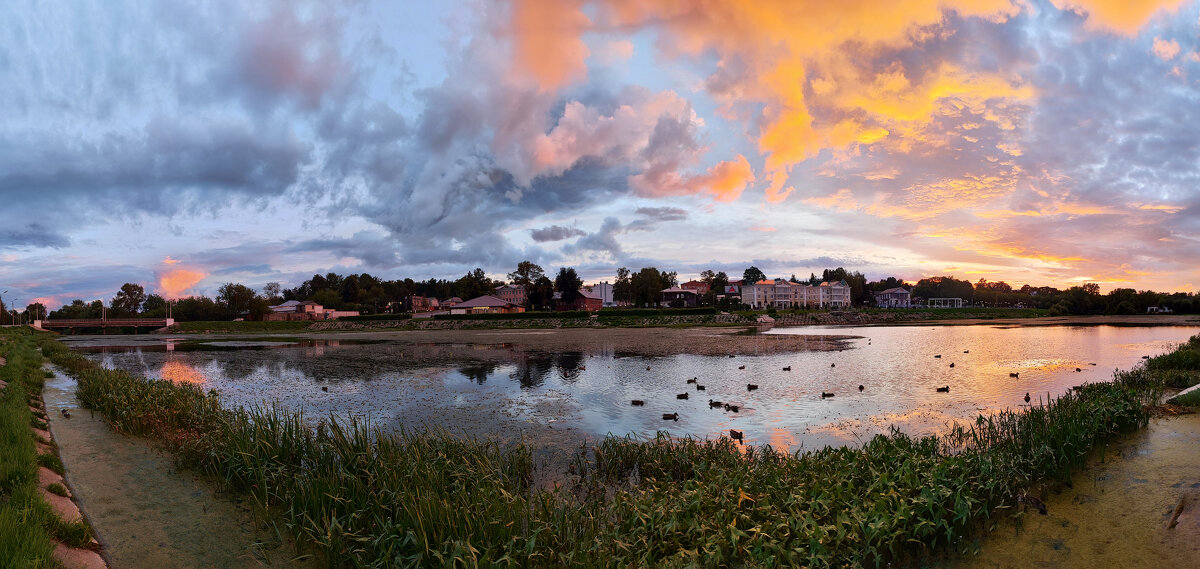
(781, 293)
(604, 291)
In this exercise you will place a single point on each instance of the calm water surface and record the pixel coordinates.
(591, 391)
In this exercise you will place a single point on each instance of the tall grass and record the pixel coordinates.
(27, 524)
(363, 497)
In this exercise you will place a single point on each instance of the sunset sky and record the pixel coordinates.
(184, 145)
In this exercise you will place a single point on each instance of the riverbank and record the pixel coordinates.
(40, 523)
(1114, 512)
(670, 502)
(147, 512)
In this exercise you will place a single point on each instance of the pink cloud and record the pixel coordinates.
(1165, 50)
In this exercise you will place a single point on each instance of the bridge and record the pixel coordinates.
(104, 323)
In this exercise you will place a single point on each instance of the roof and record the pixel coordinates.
(307, 303)
(508, 286)
(677, 289)
(694, 283)
(287, 304)
(896, 290)
(484, 301)
(590, 294)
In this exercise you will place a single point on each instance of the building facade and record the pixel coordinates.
(680, 296)
(512, 293)
(782, 294)
(898, 297)
(603, 290)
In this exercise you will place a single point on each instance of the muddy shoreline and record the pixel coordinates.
(436, 346)
(1114, 512)
(148, 513)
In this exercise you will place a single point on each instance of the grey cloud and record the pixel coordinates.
(31, 235)
(603, 240)
(555, 233)
(663, 213)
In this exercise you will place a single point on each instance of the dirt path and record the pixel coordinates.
(1117, 512)
(147, 513)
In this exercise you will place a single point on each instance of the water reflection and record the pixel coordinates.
(531, 371)
(478, 372)
(179, 372)
(463, 386)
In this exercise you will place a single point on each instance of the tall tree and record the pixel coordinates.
(753, 275)
(272, 291)
(236, 297)
(129, 299)
(36, 311)
(473, 284)
(623, 287)
(541, 293)
(568, 283)
(527, 272)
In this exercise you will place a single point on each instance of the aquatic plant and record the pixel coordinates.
(364, 497)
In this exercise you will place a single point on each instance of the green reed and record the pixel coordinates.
(27, 523)
(363, 497)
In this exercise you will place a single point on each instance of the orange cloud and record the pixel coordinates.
(1120, 16)
(725, 181)
(175, 282)
(170, 261)
(548, 40)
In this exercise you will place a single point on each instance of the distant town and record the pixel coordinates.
(530, 288)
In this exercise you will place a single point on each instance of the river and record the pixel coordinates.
(589, 391)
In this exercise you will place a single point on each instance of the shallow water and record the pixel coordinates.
(504, 390)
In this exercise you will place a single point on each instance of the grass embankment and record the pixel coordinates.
(1179, 369)
(364, 497)
(28, 526)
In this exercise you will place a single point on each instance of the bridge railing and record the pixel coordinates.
(94, 322)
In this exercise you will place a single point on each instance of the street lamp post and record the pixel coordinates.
(2, 305)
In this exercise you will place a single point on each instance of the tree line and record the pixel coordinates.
(373, 295)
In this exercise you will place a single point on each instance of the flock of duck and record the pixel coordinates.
(733, 408)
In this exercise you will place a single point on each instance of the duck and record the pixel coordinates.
(1078, 369)
(647, 368)
(736, 435)
(731, 355)
(1027, 397)
(1014, 374)
(938, 356)
(66, 413)
(682, 396)
(951, 364)
(1025, 498)
(945, 389)
(832, 365)
(824, 395)
(1145, 357)
(733, 408)
(741, 367)
(670, 416)
(582, 368)
(788, 368)
(751, 386)
(714, 404)
(692, 380)
(637, 403)
(699, 387)
(860, 388)
(324, 388)
(966, 351)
